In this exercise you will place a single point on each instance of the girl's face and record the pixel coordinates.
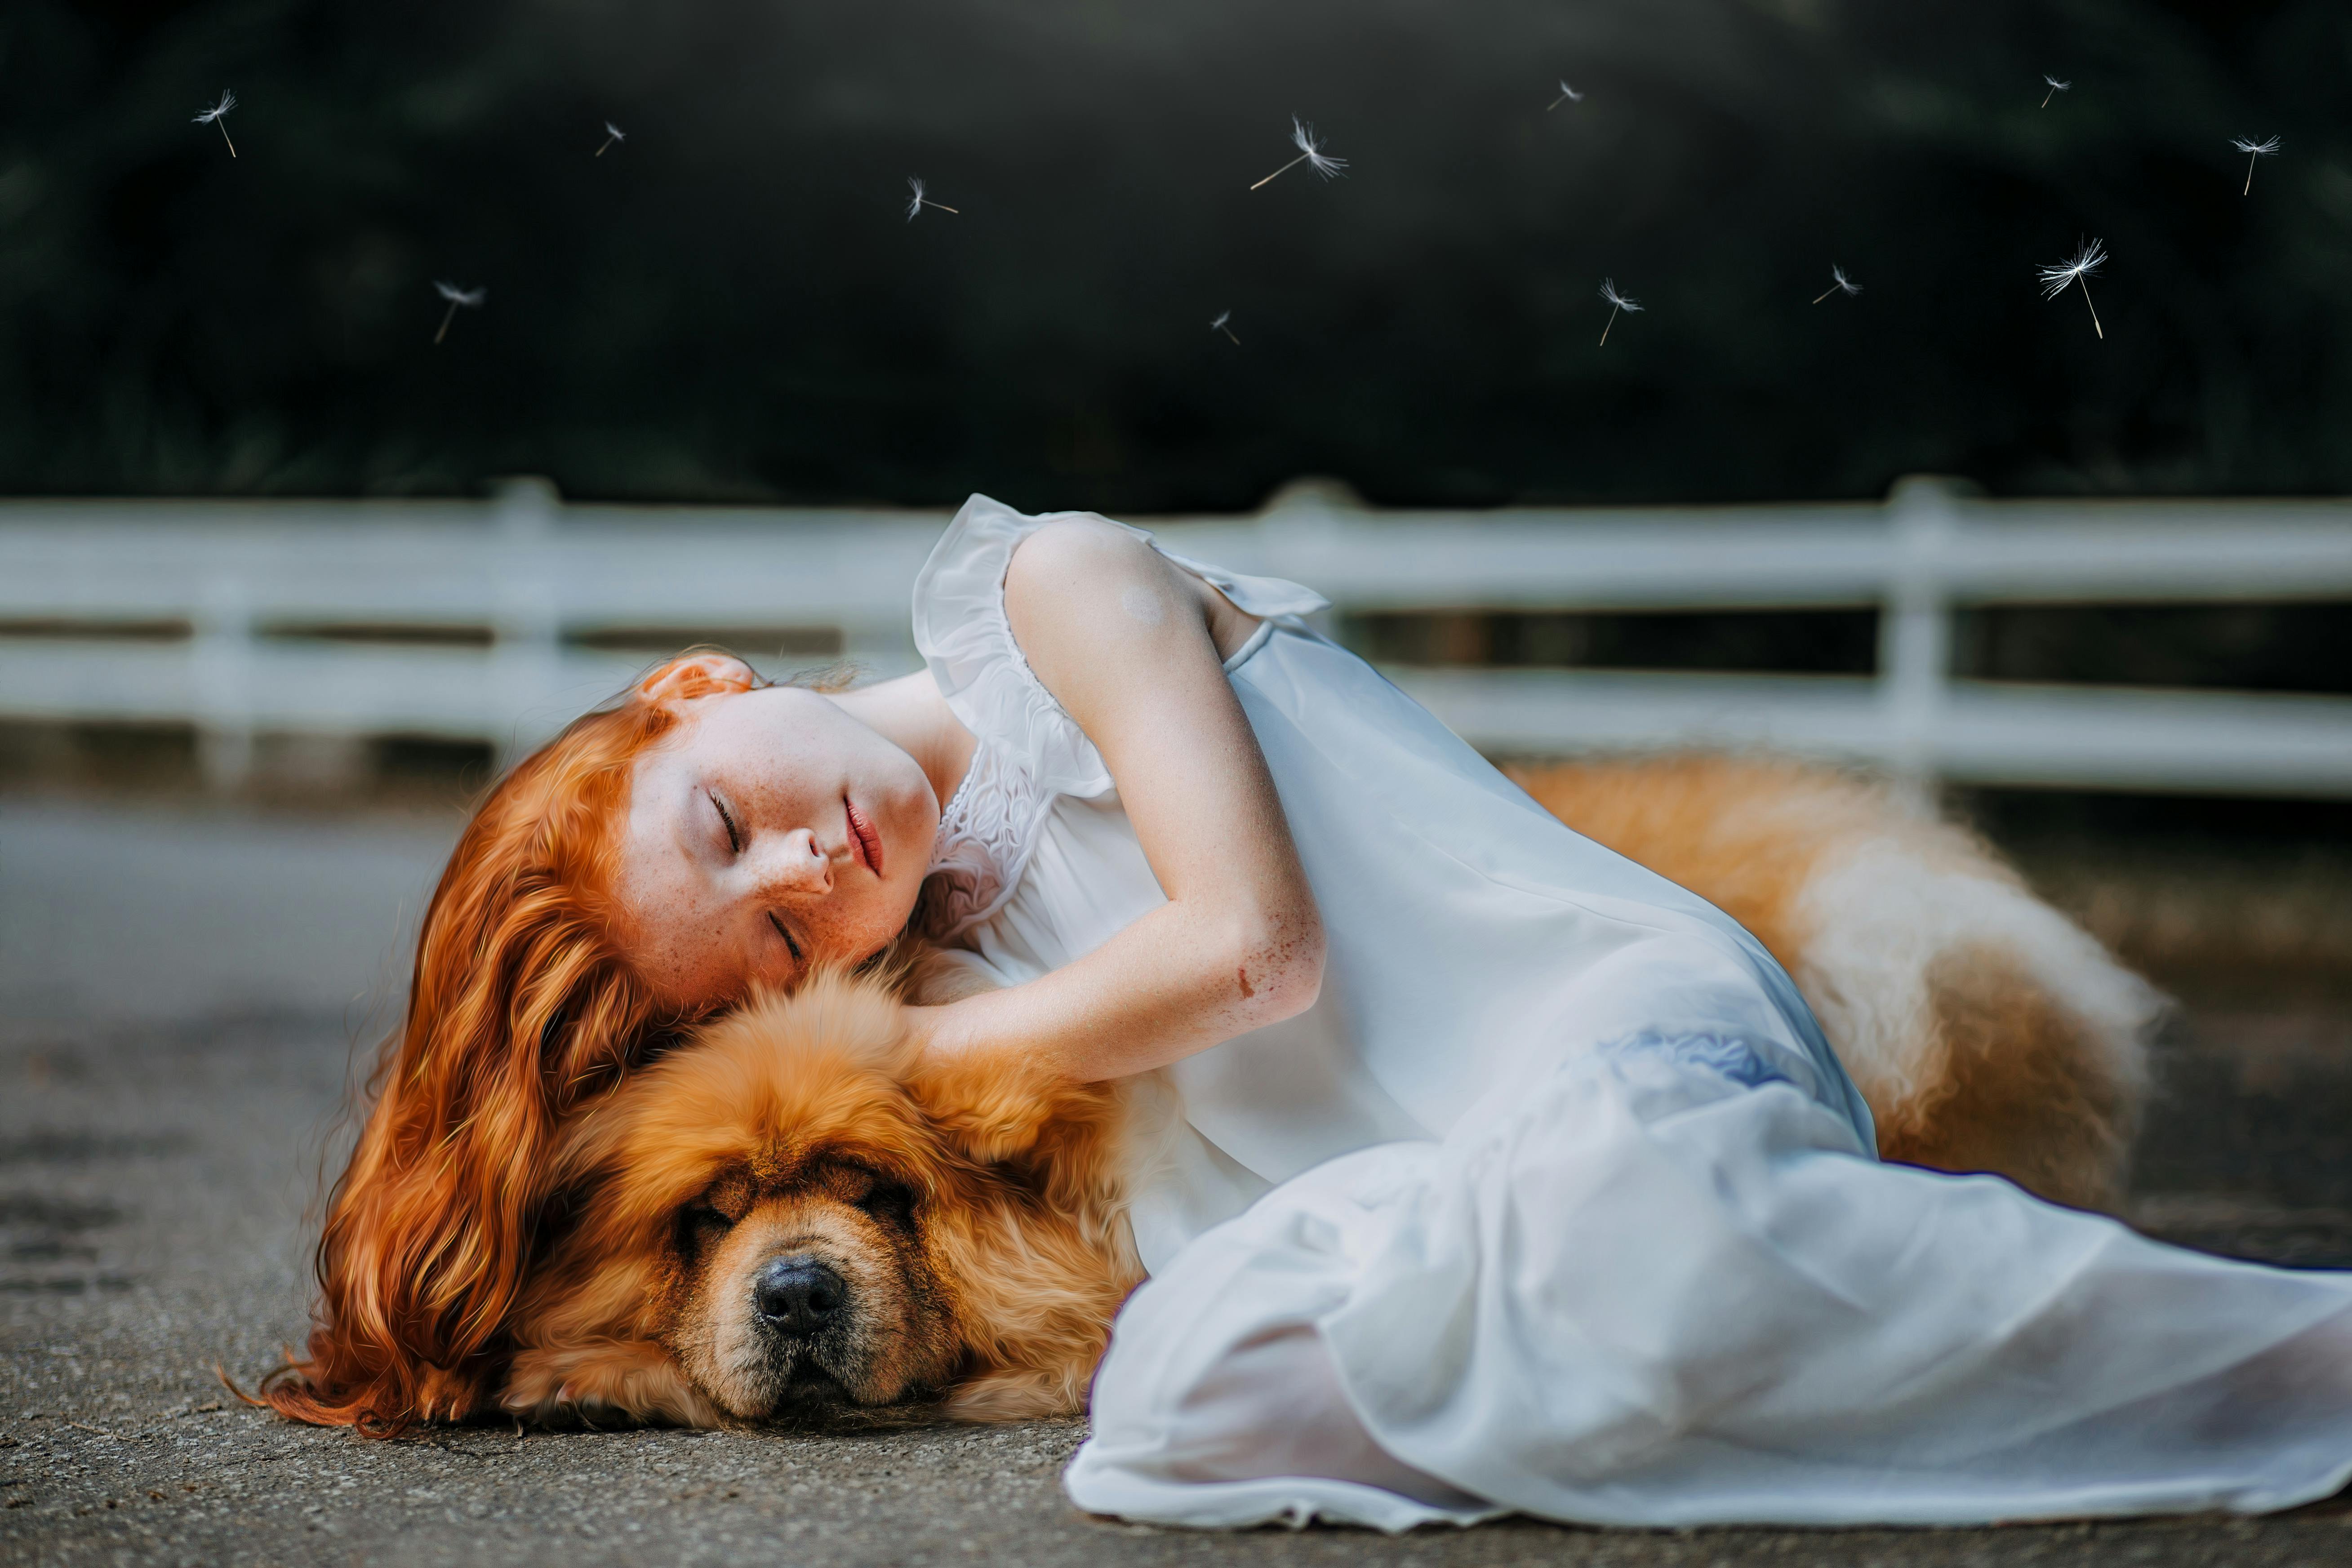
(768, 833)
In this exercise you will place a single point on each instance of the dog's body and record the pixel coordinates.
(793, 1212)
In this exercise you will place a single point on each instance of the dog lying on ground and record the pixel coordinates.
(786, 1216)
(791, 1215)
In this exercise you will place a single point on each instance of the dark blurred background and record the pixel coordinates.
(732, 304)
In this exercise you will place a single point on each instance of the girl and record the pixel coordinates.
(1497, 1173)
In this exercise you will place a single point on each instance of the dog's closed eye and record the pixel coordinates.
(700, 1224)
(890, 1202)
(873, 1192)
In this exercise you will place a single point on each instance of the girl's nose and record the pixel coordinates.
(797, 863)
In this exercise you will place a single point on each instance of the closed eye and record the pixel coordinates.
(734, 834)
(888, 1200)
(700, 1224)
(785, 931)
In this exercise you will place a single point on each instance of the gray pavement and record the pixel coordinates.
(182, 993)
(161, 914)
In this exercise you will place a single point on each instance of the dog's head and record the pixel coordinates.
(791, 1213)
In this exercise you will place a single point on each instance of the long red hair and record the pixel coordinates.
(522, 1005)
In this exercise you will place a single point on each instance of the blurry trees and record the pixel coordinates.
(732, 304)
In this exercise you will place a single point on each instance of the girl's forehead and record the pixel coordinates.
(771, 727)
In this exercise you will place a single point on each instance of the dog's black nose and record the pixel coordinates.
(798, 1295)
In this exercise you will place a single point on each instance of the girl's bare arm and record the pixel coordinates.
(1125, 642)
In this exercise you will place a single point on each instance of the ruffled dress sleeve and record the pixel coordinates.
(961, 632)
(963, 636)
(1031, 752)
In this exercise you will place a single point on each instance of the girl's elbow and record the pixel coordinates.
(1283, 976)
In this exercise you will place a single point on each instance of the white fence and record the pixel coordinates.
(483, 621)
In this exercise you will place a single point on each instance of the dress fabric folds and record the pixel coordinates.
(1557, 1201)
(1656, 1292)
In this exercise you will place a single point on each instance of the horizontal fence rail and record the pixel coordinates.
(497, 621)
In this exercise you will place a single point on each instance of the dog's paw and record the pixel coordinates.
(633, 1383)
(1019, 1394)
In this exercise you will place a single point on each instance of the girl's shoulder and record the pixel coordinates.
(1030, 752)
(967, 643)
(962, 631)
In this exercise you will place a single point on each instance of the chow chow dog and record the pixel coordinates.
(791, 1215)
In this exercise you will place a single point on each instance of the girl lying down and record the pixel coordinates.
(1501, 1174)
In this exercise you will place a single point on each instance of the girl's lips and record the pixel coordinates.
(862, 834)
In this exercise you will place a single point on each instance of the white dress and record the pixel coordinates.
(1557, 1201)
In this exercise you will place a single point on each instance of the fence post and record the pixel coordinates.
(525, 665)
(223, 656)
(1915, 629)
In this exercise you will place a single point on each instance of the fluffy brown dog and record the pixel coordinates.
(793, 1213)
(786, 1217)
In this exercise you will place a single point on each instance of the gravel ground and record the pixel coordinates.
(154, 1177)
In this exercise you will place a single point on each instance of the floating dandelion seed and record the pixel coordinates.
(611, 133)
(1566, 95)
(471, 298)
(1616, 302)
(1844, 284)
(918, 201)
(2056, 87)
(1310, 153)
(219, 115)
(2056, 280)
(2253, 150)
(1219, 326)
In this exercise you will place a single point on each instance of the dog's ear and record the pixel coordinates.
(987, 1104)
(993, 1106)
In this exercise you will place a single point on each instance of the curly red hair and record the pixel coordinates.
(522, 1005)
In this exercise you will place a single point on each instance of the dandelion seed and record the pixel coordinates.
(2077, 269)
(611, 133)
(2056, 87)
(1616, 302)
(1310, 153)
(2253, 150)
(1844, 284)
(917, 203)
(1566, 95)
(219, 115)
(471, 299)
(1219, 326)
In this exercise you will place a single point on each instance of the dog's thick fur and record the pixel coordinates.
(972, 1212)
(969, 1211)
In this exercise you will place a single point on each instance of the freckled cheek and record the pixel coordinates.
(911, 829)
(853, 931)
